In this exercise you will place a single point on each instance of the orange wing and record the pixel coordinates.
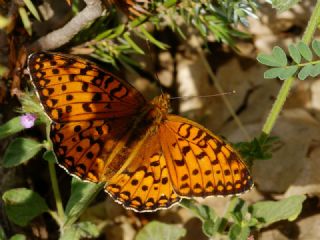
(83, 147)
(72, 89)
(145, 184)
(200, 163)
(90, 109)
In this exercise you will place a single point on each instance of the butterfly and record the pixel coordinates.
(103, 130)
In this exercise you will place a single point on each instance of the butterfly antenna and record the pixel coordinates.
(205, 96)
(153, 60)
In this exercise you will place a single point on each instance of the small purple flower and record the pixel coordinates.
(27, 120)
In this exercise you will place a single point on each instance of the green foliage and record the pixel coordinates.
(238, 11)
(298, 52)
(212, 224)
(20, 150)
(81, 195)
(217, 19)
(25, 20)
(283, 5)
(25, 17)
(32, 9)
(22, 205)
(18, 237)
(2, 234)
(11, 127)
(49, 156)
(240, 219)
(268, 212)
(79, 231)
(160, 231)
(114, 43)
(260, 148)
(3, 23)
(30, 104)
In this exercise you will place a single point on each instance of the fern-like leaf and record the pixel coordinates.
(302, 62)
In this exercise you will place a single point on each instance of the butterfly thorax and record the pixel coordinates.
(159, 110)
(143, 126)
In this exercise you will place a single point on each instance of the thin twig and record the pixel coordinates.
(224, 98)
(63, 35)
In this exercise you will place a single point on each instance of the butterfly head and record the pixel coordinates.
(160, 106)
(162, 102)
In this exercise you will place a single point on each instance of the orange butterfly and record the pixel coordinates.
(103, 130)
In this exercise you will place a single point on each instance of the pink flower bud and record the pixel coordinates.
(27, 120)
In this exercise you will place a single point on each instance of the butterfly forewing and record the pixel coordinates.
(200, 163)
(72, 89)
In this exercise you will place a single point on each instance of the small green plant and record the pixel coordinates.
(259, 148)
(283, 69)
(241, 219)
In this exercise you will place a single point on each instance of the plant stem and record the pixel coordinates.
(286, 86)
(224, 98)
(56, 192)
(54, 183)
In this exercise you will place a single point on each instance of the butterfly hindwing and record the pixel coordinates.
(200, 163)
(145, 184)
(73, 89)
(83, 147)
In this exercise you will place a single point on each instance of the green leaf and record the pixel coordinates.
(288, 72)
(11, 127)
(19, 151)
(22, 205)
(103, 35)
(18, 237)
(316, 47)
(25, 20)
(148, 36)
(258, 149)
(79, 231)
(315, 70)
(3, 69)
(3, 23)
(117, 31)
(206, 214)
(160, 231)
(273, 73)
(81, 195)
(268, 212)
(238, 209)
(305, 51)
(280, 56)
(305, 72)
(132, 43)
(32, 9)
(294, 53)
(49, 156)
(283, 5)
(2, 234)
(238, 232)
